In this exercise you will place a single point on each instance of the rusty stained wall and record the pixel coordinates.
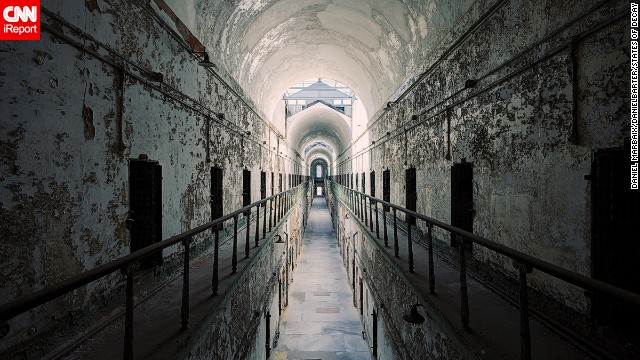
(517, 130)
(64, 193)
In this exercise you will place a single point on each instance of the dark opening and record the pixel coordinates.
(263, 186)
(372, 183)
(272, 184)
(386, 187)
(246, 188)
(145, 207)
(363, 183)
(216, 193)
(411, 193)
(615, 249)
(462, 198)
(279, 182)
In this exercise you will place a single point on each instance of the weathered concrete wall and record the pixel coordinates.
(516, 126)
(104, 84)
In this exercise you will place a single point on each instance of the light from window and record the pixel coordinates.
(318, 171)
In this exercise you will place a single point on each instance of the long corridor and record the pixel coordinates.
(321, 321)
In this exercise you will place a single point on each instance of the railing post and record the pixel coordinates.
(371, 202)
(432, 278)
(355, 204)
(271, 216)
(128, 318)
(409, 242)
(234, 259)
(282, 198)
(396, 246)
(384, 228)
(464, 299)
(364, 210)
(216, 262)
(377, 220)
(257, 236)
(247, 237)
(184, 313)
(277, 210)
(264, 220)
(525, 335)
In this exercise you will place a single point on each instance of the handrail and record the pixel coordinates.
(525, 262)
(280, 204)
(546, 267)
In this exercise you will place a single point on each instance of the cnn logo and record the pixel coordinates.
(20, 21)
(14, 14)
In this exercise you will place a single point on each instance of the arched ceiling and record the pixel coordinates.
(319, 123)
(372, 46)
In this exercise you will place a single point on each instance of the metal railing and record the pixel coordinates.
(362, 205)
(279, 205)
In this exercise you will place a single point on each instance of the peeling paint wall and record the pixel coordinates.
(516, 125)
(106, 83)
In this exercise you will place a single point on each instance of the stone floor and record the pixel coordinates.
(320, 321)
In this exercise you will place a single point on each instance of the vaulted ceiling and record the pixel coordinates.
(372, 46)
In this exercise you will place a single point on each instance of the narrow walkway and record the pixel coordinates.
(321, 321)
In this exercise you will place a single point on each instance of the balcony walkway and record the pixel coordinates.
(494, 322)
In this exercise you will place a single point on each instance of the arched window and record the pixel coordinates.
(318, 171)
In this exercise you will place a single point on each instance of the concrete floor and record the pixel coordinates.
(320, 321)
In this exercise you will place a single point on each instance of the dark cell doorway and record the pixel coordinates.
(272, 184)
(615, 248)
(263, 186)
(145, 206)
(386, 187)
(462, 198)
(372, 183)
(246, 188)
(411, 193)
(216, 193)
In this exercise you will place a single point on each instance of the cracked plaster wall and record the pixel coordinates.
(516, 127)
(64, 175)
